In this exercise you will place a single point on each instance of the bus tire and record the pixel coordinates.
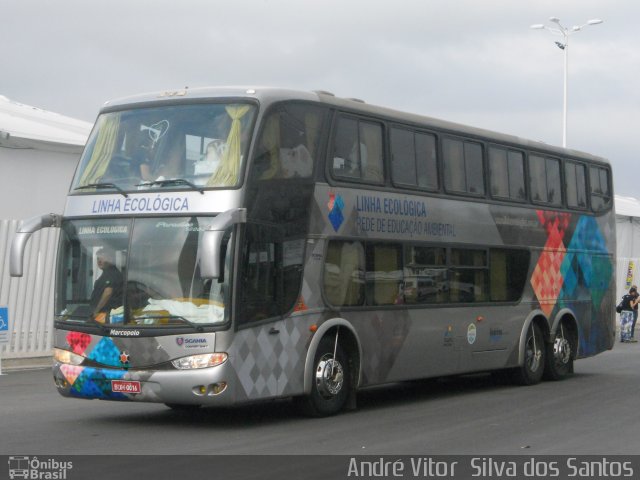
(532, 369)
(560, 355)
(330, 383)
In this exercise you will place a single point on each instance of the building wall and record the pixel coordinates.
(32, 182)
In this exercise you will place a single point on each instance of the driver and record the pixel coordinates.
(107, 291)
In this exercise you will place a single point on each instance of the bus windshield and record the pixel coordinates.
(138, 272)
(167, 147)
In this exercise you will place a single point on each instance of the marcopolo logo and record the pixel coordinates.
(37, 468)
(191, 342)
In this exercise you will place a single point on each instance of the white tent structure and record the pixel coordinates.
(39, 151)
(628, 243)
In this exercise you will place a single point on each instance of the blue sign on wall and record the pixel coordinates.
(4, 325)
(4, 319)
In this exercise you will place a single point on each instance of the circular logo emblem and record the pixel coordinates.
(179, 341)
(471, 334)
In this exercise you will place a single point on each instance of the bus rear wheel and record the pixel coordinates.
(532, 369)
(331, 380)
(560, 355)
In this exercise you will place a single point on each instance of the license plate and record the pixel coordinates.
(123, 386)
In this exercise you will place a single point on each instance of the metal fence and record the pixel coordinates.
(29, 299)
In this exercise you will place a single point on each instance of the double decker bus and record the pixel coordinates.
(226, 245)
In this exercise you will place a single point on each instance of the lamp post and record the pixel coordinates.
(564, 32)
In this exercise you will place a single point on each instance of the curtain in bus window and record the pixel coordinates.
(581, 186)
(312, 122)
(228, 171)
(600, 195)
(384, 274)
(403, 157)
(426, 164)
(554, 196)
(103, 150)
(570, 182)
(498, 172)
(346, 157)
(538, 179)
(371, 154)
(516, 176)
(268, 162)
(473, 167)
(454, 171)
(344, 273)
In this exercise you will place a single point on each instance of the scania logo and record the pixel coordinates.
(190, 342)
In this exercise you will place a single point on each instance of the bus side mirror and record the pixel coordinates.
(212, 241)
(23, 233)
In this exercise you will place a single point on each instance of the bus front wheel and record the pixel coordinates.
(331, 380)
(530, 372)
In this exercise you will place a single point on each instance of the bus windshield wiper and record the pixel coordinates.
(172, 181)
(195, 326)
(102, 185)
(84, 318)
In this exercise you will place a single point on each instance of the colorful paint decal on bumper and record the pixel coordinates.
(88, 382)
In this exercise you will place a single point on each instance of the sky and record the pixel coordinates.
(475, 62)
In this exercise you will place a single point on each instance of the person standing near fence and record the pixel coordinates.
(635, 316)
(629, 304)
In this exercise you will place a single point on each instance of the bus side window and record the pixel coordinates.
(358, 150)
(288, 143)
(463, 170)
(413, 159)
(346, 156)
(600, 193)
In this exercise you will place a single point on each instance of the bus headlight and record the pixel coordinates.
(203, 360)
(65, 356)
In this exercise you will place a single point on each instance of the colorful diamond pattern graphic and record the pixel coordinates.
(70, 372)
(547, 278)
(558, 274)
(335, 205)
(78, 342)
(96, 383)
(106, 352)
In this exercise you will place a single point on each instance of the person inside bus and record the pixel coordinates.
(107, 290)
(171, 164)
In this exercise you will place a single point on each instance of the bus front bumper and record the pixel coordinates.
(205, 386)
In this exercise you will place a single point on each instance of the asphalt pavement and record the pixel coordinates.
(597, 411)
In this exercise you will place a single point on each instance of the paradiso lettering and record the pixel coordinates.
(141, 205)
(398, 216)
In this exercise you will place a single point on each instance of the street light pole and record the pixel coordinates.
(565, 90)
(564, 32)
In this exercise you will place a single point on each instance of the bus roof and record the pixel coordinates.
(268, 95)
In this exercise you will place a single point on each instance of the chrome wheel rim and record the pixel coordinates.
(329, 376)
(534, 355)
(561, 351)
